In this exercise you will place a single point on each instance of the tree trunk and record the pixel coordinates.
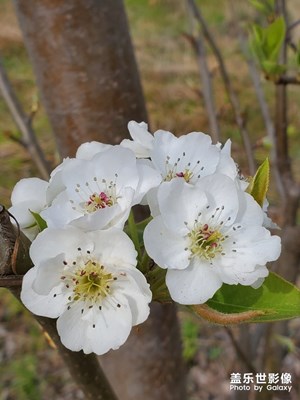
(85, 68)
(87, 75)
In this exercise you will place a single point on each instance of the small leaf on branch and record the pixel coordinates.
(276, 300)
(266, 43)
(259, 184)
(41, 223)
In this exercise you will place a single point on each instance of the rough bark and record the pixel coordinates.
(85, 67)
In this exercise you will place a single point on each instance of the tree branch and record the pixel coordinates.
(24, 124)
(240, 121)
(288, 80)
(263, 105)
(240, 353)
(85, 369)
(207, 88)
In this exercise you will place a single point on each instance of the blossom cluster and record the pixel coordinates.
(205, 230)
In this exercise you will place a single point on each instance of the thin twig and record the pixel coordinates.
(288, 80)
(293, 25)
(207, 87)
(240, 353)
(240, 121)
(264, 108)
(24, 124)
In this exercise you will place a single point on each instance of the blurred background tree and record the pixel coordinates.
(89, 88)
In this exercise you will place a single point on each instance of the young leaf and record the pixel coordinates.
(276, 299)
(259, 184)
(264, 6)
(256, 43)
(274, 36)
(273, 69)
(41, 223)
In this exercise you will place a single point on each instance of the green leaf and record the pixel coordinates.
(264, 6)
(274, 35)
(256, 43)
(266, 43)
(41, 223)
(273, 69)
(276, 298)
(259, 184)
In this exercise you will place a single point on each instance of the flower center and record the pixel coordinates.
(97, 201)
(186, 175)
(90, 282)
(182, 168)
(206, 242)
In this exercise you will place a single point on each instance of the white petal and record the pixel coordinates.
(21, 211)
(52, 242)
(86, 151)
(250, 213)
(253, 246)
(56, 184)
(226, 165)
(257, 284)
(61, 212)
(113, 247)
(193, 151)
(148, 178)
(165, 247)
(142, 142)
(233, 276)
(48, 306)
(152, 201)
(29, 189)
(180, 205)
(222, 195)
(139, 132)
(193, 285)
(99, 332)
(117, 161)
(102, 218)
(112, 326)
(48, 274)
(132, 283)
(72, 328)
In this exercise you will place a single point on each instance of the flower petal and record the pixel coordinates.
(52, 242)
(180, 205)
(86, 151)
(49, 306)
(113, 248)
(165, 247)
(30, 189)
(193, 285)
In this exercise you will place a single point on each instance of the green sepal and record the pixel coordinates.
(40, 222)
(259, 184)
(277, 299)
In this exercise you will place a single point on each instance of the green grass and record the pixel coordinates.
(190, 331)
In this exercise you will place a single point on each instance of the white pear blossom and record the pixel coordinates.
(99, 192)
(142, 142)
(208, 235)
(90, 283)
(28, 195)
(190, 158)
